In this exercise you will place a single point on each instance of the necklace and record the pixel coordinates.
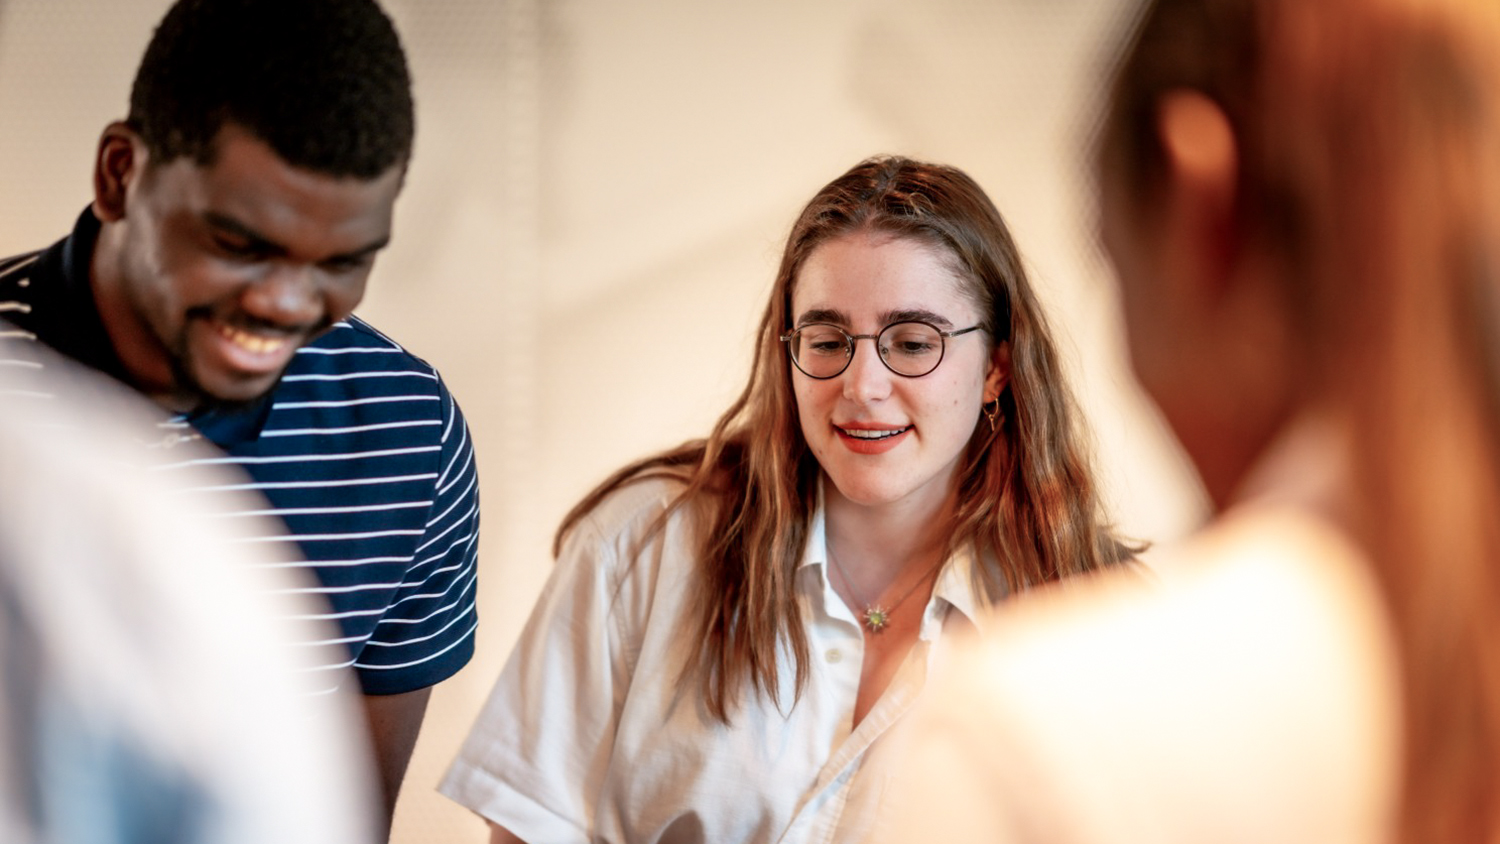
(874, 616)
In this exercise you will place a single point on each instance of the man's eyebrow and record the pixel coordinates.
(261, 243)
(363, 251)
(230, 225)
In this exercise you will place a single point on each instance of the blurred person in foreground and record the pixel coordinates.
(1302, 200)
(736, 626)
(236, 215)
(153, 661)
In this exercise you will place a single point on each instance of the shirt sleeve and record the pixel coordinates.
(427, 633)
(538, 755)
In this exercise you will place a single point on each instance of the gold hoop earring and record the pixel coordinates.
(992, 412)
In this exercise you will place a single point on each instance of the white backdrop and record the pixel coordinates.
(590, 175)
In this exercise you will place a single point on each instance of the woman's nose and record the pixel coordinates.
(867, 378)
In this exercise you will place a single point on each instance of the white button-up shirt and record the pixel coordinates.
(592, 735)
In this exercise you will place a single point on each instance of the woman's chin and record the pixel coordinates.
(872, 492)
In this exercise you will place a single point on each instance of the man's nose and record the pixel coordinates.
(288, 295)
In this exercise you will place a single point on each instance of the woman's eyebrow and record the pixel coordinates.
(837, 317)
(916, 316)
(823, 315)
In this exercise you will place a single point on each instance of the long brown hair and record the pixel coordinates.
(1369, 140)
(1026, 495)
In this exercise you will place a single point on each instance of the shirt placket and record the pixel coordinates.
(819, 819)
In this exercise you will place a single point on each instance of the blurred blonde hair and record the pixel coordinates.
(1369, 135)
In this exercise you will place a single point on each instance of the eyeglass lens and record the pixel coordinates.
(908, 348)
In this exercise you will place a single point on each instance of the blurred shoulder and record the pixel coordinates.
(1223, 581)
(1247, 681)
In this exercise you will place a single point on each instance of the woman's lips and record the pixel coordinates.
(867, 440)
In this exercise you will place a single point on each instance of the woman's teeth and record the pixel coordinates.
(871, 434)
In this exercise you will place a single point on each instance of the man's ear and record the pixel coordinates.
(1202, 159)
(120, 160)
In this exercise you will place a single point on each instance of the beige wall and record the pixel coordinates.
(592, 176)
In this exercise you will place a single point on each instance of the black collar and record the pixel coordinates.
(66, 317)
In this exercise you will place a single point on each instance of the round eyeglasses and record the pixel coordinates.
(909, 349)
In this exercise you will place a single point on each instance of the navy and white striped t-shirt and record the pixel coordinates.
(360, 450)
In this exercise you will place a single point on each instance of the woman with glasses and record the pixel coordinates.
(1302, 199)
(735, 626)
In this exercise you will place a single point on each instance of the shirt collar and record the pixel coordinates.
(813, 570)
(958, 585)
(66, 317)
(70, 323)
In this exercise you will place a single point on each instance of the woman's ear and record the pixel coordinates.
(998, 374)
(118, 162)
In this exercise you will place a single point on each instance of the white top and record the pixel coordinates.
(151, 683)
(590, 735)
(1248, 696)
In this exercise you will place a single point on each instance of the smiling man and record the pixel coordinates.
(236, 215)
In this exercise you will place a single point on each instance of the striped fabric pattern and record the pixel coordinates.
(362, 453)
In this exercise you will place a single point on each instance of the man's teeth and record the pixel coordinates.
(869, 434)
(253, 343)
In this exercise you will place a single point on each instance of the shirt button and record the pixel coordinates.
(834, 655)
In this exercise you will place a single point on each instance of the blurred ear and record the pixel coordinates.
(120, 159)
(998, 374)
(1202, 161)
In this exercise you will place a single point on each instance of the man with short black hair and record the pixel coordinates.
(236, 216)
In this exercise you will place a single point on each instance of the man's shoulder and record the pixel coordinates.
(353, 375)
(13, 268)
(354, 345)
(22, 361)
(25, 274)
(16, 289)
(354, 357)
